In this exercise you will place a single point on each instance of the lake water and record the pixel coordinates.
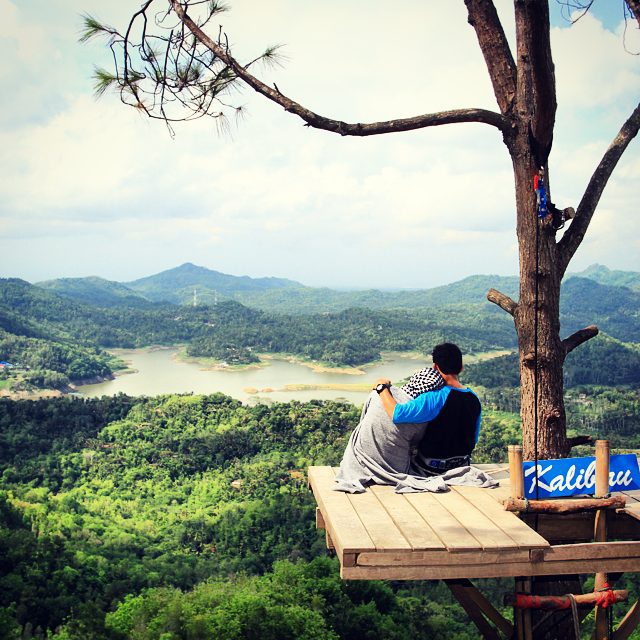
(159, 371)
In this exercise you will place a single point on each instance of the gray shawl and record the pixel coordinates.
(379, 452)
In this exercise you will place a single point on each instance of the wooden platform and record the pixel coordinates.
(464, 533)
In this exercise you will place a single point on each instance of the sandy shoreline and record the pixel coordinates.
(178, 353)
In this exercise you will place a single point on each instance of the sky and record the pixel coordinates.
(90, 187)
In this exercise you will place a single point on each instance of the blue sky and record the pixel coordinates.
(88, 187)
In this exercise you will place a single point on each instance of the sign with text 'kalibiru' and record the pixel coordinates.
(577, 476)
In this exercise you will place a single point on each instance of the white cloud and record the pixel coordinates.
(91, 187)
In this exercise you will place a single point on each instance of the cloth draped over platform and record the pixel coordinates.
(379, 452)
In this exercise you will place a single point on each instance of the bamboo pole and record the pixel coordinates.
(573, 505)
(516, 474)
(549, 603)
(600, 530)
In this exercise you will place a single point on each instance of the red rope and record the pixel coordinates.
(524, 601)
(605, 596)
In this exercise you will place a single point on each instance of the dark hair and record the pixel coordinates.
(448, 357)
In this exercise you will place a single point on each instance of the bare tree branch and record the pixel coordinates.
(536, 71)
(578, 440)
(580, 336)
(320, 122)
(483, 17)
(572, 238)
(502, 300)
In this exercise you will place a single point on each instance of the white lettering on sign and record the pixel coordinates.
(568, 480)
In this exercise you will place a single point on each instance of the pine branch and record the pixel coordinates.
(320, 122)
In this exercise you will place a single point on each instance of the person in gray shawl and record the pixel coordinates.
(443, 422)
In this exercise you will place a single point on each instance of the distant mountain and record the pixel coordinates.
(96, 291)
(604, 275)
(471, 290)
(591, 363)
(177, 285)
(616, 310)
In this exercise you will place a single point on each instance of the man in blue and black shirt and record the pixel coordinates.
(453, 413)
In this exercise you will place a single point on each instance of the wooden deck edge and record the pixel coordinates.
(496, 570)
(557, 560)
(581, 551)
(359, 539)
(441, 558)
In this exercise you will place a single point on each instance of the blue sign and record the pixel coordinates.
(577, 476)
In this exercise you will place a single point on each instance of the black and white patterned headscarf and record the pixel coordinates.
(427, 379)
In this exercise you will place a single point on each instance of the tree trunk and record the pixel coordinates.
(537, 315)
(540, 347)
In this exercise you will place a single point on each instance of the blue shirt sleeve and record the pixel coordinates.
(478, 422)
(422, 409)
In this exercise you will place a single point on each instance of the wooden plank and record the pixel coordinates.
(633, 496)
(446, 526)
(593, 550)
(343, 525)
(378, 523)
(579, 527)
(582, 551)
(488, 535)
(413, 527)
(522, 534)
(319, 519)
(632, 510)
(441, 558)
(499, 570)
(500, 493)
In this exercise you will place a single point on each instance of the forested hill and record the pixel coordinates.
(615, 309)
(97, 291)
(190, 517)
(178, 285)
(48, 333)
(603, 275)
(61, 339)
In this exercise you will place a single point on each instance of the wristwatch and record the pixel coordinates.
(382, 386)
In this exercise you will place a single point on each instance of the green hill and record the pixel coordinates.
(471, 290)
(96, 291)
(177, 285)
(69, 331)
(600, 361)
(603, 275)
(615, 309)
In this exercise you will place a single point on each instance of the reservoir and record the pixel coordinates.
(159, 371)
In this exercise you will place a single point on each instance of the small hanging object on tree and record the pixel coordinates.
(541, 194)
(546, 207)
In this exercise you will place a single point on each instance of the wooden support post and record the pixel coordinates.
(600, 530)
(516, 474)
(629, 623)
(479, 609)
(522, 617)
